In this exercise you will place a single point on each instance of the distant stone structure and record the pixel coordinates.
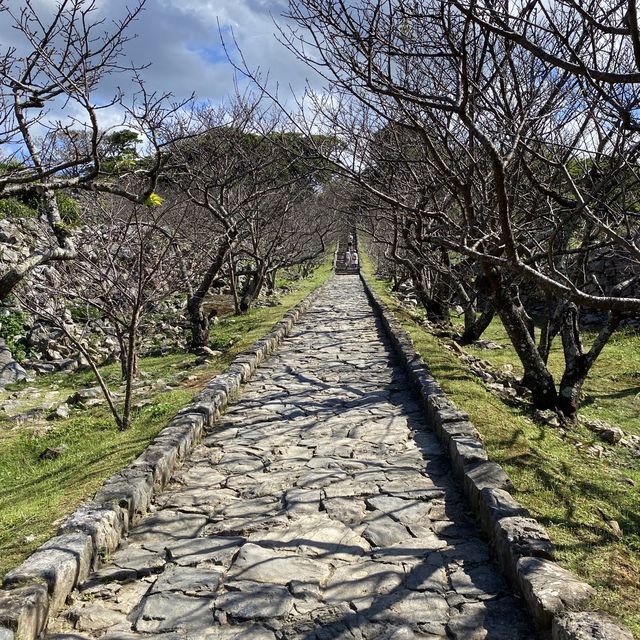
(343, 264)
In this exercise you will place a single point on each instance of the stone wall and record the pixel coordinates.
(607, 270)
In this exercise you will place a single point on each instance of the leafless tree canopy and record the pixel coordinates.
(258, 184)
(51, 87)
(490, 151)
(496, 147)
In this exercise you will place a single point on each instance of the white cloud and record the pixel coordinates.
(180, 40)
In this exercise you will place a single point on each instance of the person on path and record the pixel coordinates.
(355, 259)
(350, 242)
(347, 258)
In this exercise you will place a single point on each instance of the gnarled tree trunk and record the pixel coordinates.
(253, 288)
(577, 362)
(200, 321)
(474, 325)
(519, 327)
(437, 309)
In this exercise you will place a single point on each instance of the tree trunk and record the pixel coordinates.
(126, 363)
(234, 285)
(550, 328)
(200, 324)
(518, 326)
(252, 289)
(122, 355)
(92, 363)
(398, 277)
(475, 326)
(571, 388)
(577, 363)
(199, 320)
(437, 310)
(132, 365)
(271, 281)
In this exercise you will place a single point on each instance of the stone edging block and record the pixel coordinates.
(521, 544)
(588, 624)
(41, 584)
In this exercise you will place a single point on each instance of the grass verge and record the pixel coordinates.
(36, 493)
(572, 493)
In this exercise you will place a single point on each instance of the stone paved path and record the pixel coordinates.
(319, 508)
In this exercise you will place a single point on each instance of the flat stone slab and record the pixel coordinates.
(299, 502)
(383, 531)
(354, 581)
(275, 566)
(198, 499)
(255, 601)
(405, 511)
(407, 608)
(92, 617)
(143, 561)
(429, 575)
(168, 525)
(167, 611)
(480, 582)
(235, 632)
(216, 550)
(346, 510)
(190, 581)
(500, 619)
(315, 536)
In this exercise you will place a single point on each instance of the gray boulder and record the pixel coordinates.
(10, 370)
(86, 397)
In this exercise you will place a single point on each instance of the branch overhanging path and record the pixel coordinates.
(320, 506)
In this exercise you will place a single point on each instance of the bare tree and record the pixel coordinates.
(289, 226)
(523, 164)
(235, 167)
(58, 68)
(128, 262)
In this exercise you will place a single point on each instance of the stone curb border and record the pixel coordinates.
(41, 584)
(522, 545)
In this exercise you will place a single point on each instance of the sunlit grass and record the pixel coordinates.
(612, 390)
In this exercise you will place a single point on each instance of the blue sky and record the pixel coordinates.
(181, 41)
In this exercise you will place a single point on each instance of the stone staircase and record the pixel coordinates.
(341, 267)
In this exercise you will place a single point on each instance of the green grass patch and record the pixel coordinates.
(35, 494)
(565, 488)
(612, 390)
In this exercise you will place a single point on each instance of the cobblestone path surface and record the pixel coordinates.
(319, 508)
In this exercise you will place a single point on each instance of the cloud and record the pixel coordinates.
(180, 41)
